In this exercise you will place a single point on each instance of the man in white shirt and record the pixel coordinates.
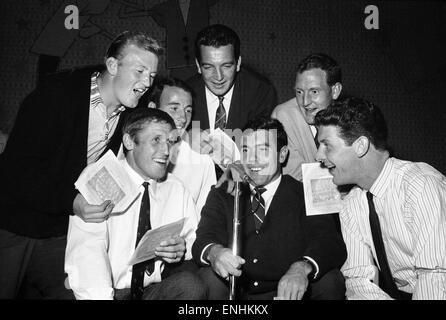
(97, 255)
(196, 171)
(318, 82)
(394, 221)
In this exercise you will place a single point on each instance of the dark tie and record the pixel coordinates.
(258, 208)
(137, 284)
(220, 116)
(386, 282)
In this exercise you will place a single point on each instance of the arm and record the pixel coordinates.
(429, 213)
(210, 247)
(209, 179)
(33, 145)
(86, 260)
(266, 101)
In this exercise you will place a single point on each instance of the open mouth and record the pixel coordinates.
(139, 92)
(257, 168)
(160, 161)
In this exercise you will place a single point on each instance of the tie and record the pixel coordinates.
(386, 281)
(258, 208)
(137, 284)
(220, 116)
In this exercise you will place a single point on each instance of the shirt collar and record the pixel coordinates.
(135, 177)
(271, 188)
(213, 98)
(381, 183)
(96, 99)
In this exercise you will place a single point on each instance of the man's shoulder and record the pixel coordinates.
(291, 185)
(250, 76)
(286, 107)
(75, 73)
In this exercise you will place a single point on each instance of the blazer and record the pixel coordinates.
(300, 139)
(286, 235)
(252, 97)
(45, 154)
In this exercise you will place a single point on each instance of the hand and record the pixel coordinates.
(89, 212)
(224, 263)
(171, 250)
(227, 177)
(294, 283)
(200, 141)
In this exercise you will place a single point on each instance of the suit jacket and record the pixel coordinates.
(300, 138)
(252, 97)
(46, 152)
(285, 235)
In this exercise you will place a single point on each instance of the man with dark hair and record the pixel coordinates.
(284, 254)
(227, 96)
(97, 254)
(318, 82)
(195, 170)
(394, 220)
(62, 126)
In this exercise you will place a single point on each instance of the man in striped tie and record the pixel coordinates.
(394, 220)
(284, 253)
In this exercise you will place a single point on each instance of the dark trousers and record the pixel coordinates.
(329, 287)
(32, 268)
(179, 282)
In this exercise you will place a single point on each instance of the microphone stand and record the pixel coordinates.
(235, 237)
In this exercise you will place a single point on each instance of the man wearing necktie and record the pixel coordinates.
(284, 253)
(227, 96)
(394, 220)
(97, 255)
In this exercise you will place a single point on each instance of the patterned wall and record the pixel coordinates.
(400, 67)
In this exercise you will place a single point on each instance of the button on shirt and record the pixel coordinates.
(97, 254)
(410, 200)
(212, 104)
(100, 126)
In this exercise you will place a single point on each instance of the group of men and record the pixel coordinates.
(54, 244)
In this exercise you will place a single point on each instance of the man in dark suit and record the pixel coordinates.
(62, 126)
(284, 253)
(244, 94)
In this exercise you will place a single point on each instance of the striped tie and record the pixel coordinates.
(258, 208)
(220, 116)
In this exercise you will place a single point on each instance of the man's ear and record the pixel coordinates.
(151, 105)
(239, 63)
(198, 66)
(112, 65)
(283, 153)
(128, 142)
(361, 145)
(336, 90)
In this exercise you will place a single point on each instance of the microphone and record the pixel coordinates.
(240, 171)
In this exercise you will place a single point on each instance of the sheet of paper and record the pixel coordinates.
(106, 179)
(321, 194)
(152, 238)
(225, 150)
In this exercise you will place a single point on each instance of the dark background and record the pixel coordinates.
(401, 66)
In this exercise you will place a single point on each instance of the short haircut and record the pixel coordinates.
(355, 117)
(323, 62)
(139, 39)
(160, 82)
(268, 123)
(139, 118)
(217, 35)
